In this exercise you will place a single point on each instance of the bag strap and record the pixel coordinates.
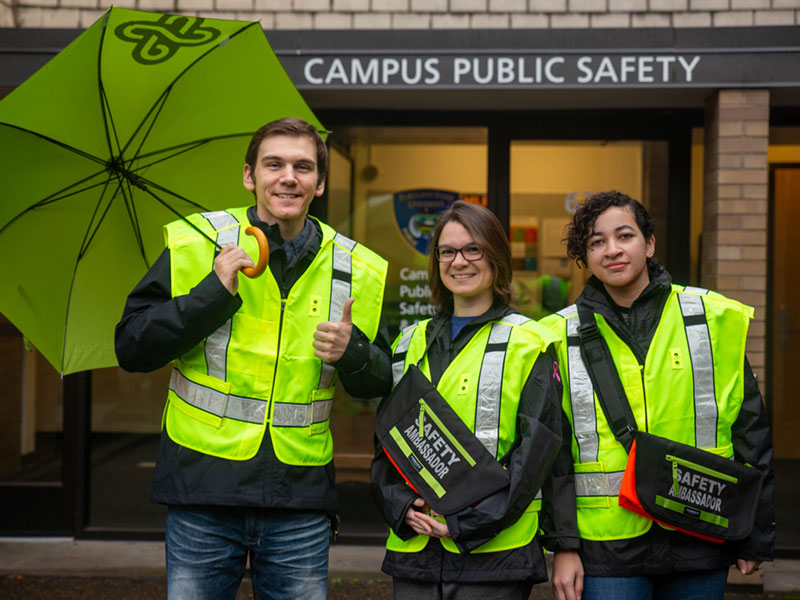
(605, 379)
(429, 343)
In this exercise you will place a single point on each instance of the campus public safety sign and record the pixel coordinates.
(656, 59)
(631, 58)
(490, 71)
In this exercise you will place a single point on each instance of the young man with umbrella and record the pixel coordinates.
(245, 463)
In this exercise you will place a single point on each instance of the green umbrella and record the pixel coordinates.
(143, 118)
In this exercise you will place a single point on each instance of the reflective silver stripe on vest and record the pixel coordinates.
(581, 392)
(490, 382)
(598, 484)
(398, 366)
(696, 290)
(699, 340)
(340, 292)
(250, 410)
(216, 346)
(286, 414)
(568, 311)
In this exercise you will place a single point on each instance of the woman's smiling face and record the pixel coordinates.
(469, 281)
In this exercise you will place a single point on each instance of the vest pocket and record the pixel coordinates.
(195, 413)
(321, 405)
(521, 533)
(204, 391)
(600, 516)
(594, 487)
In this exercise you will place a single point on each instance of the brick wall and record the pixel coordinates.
(734, 252)
(425, 14)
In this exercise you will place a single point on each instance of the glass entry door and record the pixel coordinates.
(36, 457)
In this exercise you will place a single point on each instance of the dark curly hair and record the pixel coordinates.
(485, 229)
(582, 225)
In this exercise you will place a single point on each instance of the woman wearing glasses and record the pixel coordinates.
(498, 371)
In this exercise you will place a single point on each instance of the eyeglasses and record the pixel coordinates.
(446, 254)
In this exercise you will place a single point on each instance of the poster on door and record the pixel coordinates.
(400, 228)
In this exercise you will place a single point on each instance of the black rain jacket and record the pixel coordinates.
(539, 411)
(660, 551)
(156, 328)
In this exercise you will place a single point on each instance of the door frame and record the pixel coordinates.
(771, 316)
(56, 507)
(673, 127)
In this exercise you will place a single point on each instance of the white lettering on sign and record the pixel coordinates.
(417, 309)
(500, 70)
(407, 274)
(372, 71)
(416, 291)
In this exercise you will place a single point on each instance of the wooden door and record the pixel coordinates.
(785, 401)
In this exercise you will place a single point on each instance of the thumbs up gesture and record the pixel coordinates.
(331, 337)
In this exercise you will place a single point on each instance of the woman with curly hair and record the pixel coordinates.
(643, 317)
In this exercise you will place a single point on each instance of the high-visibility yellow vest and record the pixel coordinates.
(259, 368)
(488, 373)
(690, 390)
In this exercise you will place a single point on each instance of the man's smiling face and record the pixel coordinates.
(285, 179)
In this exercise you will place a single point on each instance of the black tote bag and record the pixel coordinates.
(432, 448)
(690, 489)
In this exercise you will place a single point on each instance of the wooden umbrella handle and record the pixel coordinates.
(263, 252)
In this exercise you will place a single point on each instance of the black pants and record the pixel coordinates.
(409, 589)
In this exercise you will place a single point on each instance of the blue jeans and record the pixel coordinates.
(701, 585)
(207, 550)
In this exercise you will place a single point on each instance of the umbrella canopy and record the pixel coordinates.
(143, 118)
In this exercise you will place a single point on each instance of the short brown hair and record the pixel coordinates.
(487, 232)
(582, 226)
(293, 128)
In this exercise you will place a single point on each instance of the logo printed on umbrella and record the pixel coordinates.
(158, 41)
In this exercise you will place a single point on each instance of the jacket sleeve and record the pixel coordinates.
(391, 494)
(365, 368)
(559, 518)
(156, 328)
(529, 461)
(752, 444)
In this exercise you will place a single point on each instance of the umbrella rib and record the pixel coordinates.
(56, 197)
(180, 149)
(66, 315)
(92, 231)
(162, 99)
(160, 103)
(109, 118)
(133, 217)
(106, 109)
(182, 217)
(87, 240)
(55, 142)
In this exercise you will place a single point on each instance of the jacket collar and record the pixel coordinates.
(640, 322)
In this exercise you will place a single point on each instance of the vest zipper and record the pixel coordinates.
(277, 358)
(644, 397)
